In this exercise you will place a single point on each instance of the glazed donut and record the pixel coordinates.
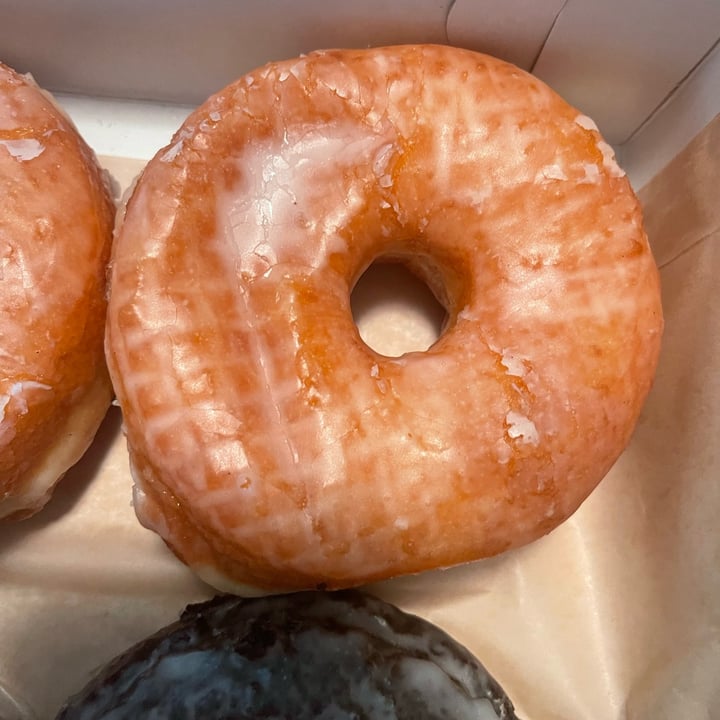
(270, 446)
(304, 656)
(56, 220)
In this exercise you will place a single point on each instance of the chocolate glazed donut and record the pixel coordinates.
(335, 656)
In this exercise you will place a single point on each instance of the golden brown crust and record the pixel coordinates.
(270, 446)
(56, 218)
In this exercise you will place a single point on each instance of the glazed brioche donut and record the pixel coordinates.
(270, 446)
(56, 219)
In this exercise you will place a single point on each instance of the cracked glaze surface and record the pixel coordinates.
(337, 656)
(56, 219)
(270, 446)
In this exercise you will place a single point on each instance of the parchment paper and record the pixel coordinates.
(614, 616)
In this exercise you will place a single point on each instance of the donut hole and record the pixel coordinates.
(395, 310)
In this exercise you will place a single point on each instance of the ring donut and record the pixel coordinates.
(303, 656)
(56, 221)
(270, 446)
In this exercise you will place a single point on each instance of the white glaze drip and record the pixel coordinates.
(23, 149)
(522, 428)
(586, 123)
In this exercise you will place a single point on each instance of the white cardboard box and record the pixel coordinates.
(626, 64)
(577, 625)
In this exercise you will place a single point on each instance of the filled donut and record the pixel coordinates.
(56, 221)
(311, 655)
(271, 448)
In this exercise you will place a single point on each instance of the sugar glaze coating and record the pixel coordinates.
(270, 446)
